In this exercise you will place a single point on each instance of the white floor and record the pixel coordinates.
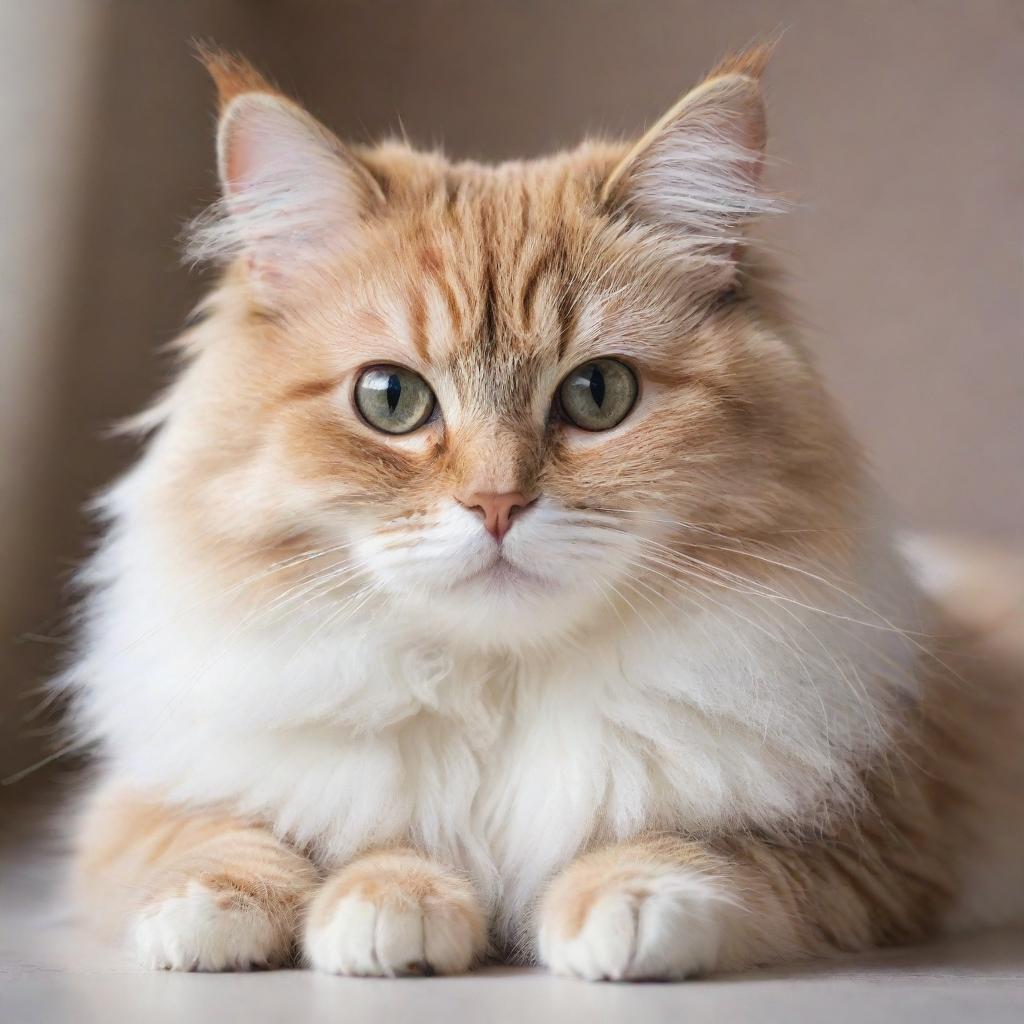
(51, 973)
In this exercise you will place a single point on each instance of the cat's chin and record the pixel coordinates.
(503, 577)
(504, 605)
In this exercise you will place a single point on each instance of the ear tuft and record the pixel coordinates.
(232, 74)
(752, 61)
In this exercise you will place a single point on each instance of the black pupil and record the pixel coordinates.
(394, 392)
(597, 386)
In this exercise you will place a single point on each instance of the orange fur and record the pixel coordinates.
(136, 854)
(752, 61)
(493, 284)
(231, 74)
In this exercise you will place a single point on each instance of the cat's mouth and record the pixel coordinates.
(501, 574)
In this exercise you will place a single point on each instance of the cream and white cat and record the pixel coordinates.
(498, 578)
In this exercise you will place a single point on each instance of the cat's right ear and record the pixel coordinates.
(291, 192)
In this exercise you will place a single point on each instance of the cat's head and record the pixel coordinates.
(502, 401)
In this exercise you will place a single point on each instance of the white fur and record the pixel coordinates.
(192, 932)
(427, 715)
(365, 938)
(703, 189)
(659, 923)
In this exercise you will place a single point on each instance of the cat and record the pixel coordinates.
(499, 580)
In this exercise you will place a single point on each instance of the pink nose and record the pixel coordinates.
(496, 510)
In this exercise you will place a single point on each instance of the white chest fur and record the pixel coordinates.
(503, 765)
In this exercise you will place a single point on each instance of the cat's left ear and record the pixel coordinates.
(695, 177)
(292, 193)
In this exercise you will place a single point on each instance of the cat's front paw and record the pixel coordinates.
(208, 929)
(620, 918)
(394, 913)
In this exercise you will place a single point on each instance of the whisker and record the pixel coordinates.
(257, 577)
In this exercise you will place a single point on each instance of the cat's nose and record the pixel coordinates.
(496, 510)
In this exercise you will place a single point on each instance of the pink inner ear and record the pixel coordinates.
(237, 175)
(289, 192)
(263, 144)
(238, 161)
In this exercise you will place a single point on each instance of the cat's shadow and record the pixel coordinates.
(981, 954)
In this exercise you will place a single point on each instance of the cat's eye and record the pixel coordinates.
(598, 395)
(394, 399)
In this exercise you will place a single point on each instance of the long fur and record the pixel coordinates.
(707, 633)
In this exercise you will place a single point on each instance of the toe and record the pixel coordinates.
(399, 940)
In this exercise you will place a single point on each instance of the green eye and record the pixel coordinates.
(598, 395)
(394, 399)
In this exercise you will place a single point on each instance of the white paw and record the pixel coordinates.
(393, 937)
(203, 930)
(652, 925)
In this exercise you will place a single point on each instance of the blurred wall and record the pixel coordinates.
(47, 82)
(895, 123)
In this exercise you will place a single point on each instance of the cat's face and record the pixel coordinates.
(500, 396)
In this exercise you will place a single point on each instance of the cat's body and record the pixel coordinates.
(691, 718)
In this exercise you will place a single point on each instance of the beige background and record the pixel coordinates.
(896, 124)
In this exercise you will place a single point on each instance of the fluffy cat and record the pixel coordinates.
(499, 579)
